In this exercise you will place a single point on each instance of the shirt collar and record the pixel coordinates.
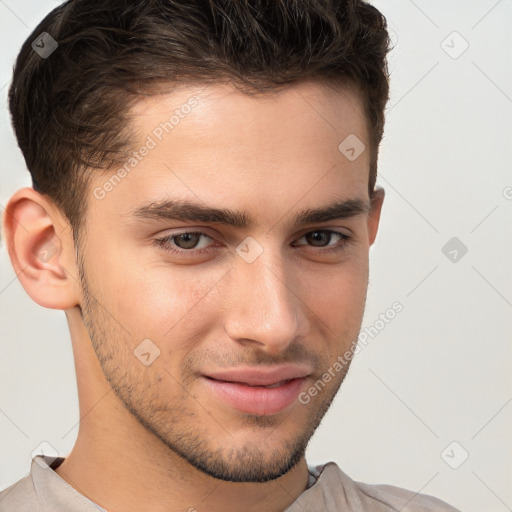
(53, 491)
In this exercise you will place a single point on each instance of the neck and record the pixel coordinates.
(114, 470)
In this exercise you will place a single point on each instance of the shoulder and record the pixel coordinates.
(19, 497)
(364, 496)
(404, 499)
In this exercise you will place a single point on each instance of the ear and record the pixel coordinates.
(374, 216)
(40, 245)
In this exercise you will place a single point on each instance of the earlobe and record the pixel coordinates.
(374, 216)
(41, 249)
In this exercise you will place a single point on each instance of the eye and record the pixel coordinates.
(182, 243)
(324, 237)
(196, 242)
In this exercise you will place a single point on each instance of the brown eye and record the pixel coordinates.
(183, 243)
(323, 238)
(187, 240)
(319, 238)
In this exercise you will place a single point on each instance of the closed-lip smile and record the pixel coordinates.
(261, 390)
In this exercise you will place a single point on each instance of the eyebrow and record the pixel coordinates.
(181, 210)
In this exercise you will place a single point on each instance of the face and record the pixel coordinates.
(220, 280)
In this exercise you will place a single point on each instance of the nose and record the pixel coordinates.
(266, 309)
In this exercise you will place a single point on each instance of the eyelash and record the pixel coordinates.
(164, 242)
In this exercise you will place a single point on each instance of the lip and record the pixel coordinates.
(243, 388)
(261, 376)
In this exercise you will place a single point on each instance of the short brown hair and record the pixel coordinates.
(69, 110)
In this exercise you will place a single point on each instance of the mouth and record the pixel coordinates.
(269, 386)
(261, 386)
(256, 391)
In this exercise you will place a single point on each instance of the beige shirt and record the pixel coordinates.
(330, 490)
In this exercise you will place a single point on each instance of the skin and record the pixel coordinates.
(157, 430)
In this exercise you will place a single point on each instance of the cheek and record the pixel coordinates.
(337, 293)
(336, 303)
(162, 302)
(176, 304)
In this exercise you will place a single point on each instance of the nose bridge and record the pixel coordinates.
(264, 309)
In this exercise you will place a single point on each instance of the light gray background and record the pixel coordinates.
(440, 371)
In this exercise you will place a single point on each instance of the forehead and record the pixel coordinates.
(216, 110)
(217, 145)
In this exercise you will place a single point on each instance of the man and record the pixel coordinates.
(203, 205)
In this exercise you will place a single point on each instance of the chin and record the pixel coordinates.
(255, 473)
(249, 463)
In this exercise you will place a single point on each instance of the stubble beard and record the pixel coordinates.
(173, 423)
